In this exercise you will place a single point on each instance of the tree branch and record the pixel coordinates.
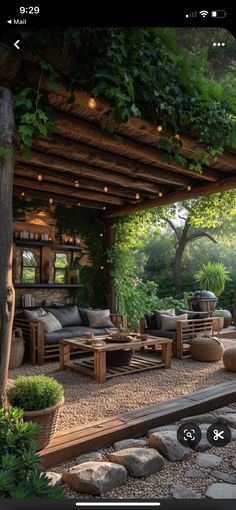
(201, 234)
(172, 226)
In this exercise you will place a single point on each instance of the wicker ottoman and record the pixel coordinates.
(206, 348)
(229, 359)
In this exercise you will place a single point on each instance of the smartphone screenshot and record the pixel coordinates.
(117, 258)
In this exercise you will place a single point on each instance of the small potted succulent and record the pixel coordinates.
(219, 316)
(41, 398)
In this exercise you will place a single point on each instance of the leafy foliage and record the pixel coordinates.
(20, 473)
(35, 392)
(212, 276)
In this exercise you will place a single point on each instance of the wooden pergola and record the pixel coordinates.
(83, 165)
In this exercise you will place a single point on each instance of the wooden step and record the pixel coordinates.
(229, 332)
(71, 443)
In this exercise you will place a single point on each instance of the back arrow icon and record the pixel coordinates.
(16, 44)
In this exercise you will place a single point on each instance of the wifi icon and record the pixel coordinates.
(203, 13)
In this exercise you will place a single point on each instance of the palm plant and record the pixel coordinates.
(212, 276)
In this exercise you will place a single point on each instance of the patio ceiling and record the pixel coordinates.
(116, 174)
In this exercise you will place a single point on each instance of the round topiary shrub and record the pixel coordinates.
(35, 392)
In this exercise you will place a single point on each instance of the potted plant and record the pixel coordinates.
(72, 270)
(219, 315)
(41, 398)
(212, 276)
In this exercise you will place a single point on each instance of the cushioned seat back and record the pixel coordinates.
(67, 315)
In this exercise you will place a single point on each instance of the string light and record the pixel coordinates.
(101, 235)
(159, 129)
(22, 193)
(39, 177)
(92, 103)
(160, 194)
(104, 208)
(189, 187)
(177, 136)
(50, 200)
(137, 196)
(101, 267)
(79, 204)
(105, 189)
(77, 184)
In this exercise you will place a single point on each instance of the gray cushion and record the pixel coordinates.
(168, 322)
(67, 315)
(151, 320)
(83, 315)
(71, 332)
(34, 314)
(99, 318)
(158, 314)
(193, 315)
(162, 334)
(51, 323)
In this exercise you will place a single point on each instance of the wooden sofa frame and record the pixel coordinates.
(185, 331)
(34, 335)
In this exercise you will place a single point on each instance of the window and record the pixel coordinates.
(60, 263)
(28, 267)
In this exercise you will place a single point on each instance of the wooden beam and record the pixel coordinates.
(49, 175)
(76, 151)
(82, 131)
(177, 196)
(57, 199)
(76, 193)
(45, 161)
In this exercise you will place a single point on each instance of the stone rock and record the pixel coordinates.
(221, 491)
(89, 457)
(222, 410)
(181, 492)
(200, 418)
(55, 478)
(95, 477)
(130, 443)
(208, 460)
(138, 461)
(229, 419)
(225, 477)
(167, 444)
(195, 473)
(204, 443)
(171, 428)
(234, 463)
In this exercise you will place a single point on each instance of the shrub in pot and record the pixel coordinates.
(41, 398)
(20, 474)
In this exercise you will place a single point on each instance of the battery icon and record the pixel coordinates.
(218, 14)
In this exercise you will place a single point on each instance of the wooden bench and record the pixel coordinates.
(34, 336)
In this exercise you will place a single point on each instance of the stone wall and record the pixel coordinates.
(53, 296)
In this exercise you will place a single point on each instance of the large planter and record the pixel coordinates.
(227, 318)
(203, 301)
(47, 420)
(17, 348)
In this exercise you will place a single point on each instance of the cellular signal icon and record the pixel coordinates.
(203, 13)
(191, 15)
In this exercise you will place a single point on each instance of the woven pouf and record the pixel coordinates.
(207, 348)
(229, 359)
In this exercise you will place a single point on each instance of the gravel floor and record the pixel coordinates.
(86, 400)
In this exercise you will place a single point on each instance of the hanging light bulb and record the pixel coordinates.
(39, 177)
(137, 196)
(50, 200)
(105, 189)
(22, 193)
(160, 194)
(79, 204)
(104, 207)
(159, 129)
(189, 187)
(177, 136)
(92, 103)
(101, 235)
(101, 267)
(77, 184)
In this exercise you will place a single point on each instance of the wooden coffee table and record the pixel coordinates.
(96, 366)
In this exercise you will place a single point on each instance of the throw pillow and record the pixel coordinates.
(50, 321)
(84, 317)
(34, 314)
(99, 319)
(151, 320)
(192, 314)
(168, 322)
(158, 314)
(67, 315)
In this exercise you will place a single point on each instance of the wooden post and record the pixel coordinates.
(7, 295)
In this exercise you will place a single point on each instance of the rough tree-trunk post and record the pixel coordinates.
(7, 297)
